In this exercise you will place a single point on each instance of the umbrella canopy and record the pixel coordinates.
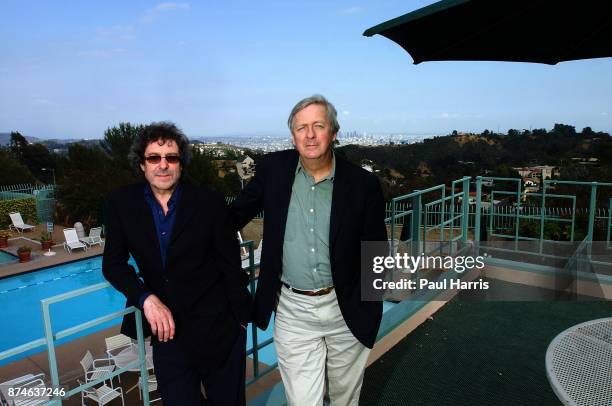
(503, 30)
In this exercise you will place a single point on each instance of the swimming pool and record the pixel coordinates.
(20, 298)
(6, 258)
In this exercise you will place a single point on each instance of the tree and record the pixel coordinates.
(89, 176)
(565, 130)
(202, 171)
(33, 156)
(13, 172)
(118, 141)
(18, 145)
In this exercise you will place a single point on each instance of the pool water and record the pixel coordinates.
(6, 258)
(21, 317)
(20, 297)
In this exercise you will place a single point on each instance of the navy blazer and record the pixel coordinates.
(202, 284)
(357, 214)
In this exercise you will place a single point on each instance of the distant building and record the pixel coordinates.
(245, 167)
(532, 175)
(224, 166)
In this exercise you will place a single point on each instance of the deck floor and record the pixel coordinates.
(477, 353)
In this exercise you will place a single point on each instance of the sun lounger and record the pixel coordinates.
(18, 224)
(72, 240)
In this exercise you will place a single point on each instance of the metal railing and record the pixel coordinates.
(50, 337)
(412, 214)
(255, 345)
(44, 195)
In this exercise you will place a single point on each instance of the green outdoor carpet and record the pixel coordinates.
(477, 353)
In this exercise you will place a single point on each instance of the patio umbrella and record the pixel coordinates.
(503, 30)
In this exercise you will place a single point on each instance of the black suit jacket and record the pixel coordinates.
(357, 214)
(202, 284)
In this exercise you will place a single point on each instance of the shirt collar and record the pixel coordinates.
(150, 197)
(331, 175)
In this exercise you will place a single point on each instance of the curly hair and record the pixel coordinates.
(163, 130)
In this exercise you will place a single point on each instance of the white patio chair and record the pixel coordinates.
(72, 240)
(243, 250)
(39, 399)
(102, 395)
(152, 381)
(116, 344)
(256, 256)
(18, 224)
(95, 237)
(16, 382)
(93, 371)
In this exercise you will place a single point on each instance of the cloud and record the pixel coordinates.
(455, 116)
(116, 32)
(352, 10)
(151, 14)
(41, 100)
(102, 53)
(603, 113)
(346, 112)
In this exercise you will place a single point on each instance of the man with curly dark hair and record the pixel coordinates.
(191, 288)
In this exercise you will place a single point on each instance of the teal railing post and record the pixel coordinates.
(50, 350)
(517, 210)
(573, 217)
(592, 206)
(253, 326)
(416, 224)
(442, 218)
(144, 373)
(478, 211)
(542, 215)
(609, 231)
(465, 209)
(393, 202)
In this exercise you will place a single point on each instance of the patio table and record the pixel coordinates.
(130, 354)
(579, 364)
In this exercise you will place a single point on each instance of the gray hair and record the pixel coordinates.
(332, 115)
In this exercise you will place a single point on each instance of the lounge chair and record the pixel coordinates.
(94, 237)
(18, 224)
(72, 240)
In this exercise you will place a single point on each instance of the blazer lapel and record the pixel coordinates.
(185, 210)
(340, 200)
(286, 186)
(146, 226)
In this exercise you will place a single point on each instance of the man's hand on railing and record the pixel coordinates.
(159, 317)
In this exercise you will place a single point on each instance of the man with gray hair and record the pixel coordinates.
(318, 209)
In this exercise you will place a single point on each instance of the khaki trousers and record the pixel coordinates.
(315, 347)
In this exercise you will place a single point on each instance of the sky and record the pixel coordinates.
(71, 69)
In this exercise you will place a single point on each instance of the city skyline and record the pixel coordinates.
(73, 69)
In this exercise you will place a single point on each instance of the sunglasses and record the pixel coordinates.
(155, 159)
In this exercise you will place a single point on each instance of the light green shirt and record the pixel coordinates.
(306, 263)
